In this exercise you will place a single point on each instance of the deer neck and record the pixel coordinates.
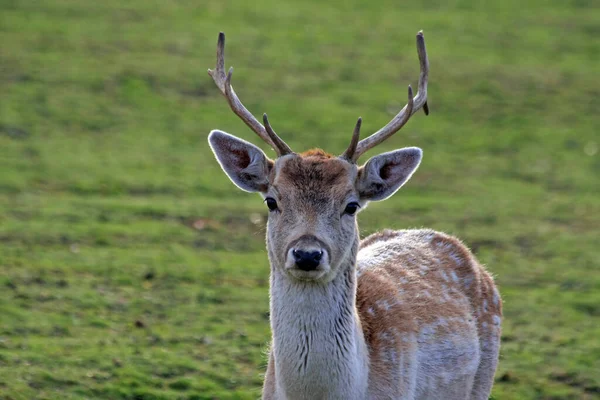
(318, 344)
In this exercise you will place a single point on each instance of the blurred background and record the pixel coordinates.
(131, 268)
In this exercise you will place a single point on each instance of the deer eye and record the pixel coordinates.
(271, 203)
(352, 208)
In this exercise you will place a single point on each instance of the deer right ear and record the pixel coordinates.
(244, 163)
(384, 174)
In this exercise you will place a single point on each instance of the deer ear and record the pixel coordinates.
(244, 163)
(384, 174)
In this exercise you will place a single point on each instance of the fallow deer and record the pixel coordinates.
(406, 314)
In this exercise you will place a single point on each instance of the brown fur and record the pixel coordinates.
(452, 288)
(317, 153)
(305, 176)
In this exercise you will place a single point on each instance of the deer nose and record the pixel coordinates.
(307, 260)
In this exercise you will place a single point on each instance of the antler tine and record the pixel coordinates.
(223, 82)
(349, 153)
(413, 105)
(281, 147)
(424, 74)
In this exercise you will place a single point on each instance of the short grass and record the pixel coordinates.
(131, 268)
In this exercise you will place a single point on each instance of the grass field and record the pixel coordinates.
(131, 268)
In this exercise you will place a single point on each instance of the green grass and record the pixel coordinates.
(131, 268)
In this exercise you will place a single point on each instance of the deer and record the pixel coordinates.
(400, 314)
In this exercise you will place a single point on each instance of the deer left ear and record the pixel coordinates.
(244, 163)
(384, 174)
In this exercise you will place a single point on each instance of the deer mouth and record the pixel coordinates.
(307, 276)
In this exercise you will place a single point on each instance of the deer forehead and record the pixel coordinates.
(315, 175)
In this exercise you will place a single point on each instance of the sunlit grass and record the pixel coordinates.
(131, 268)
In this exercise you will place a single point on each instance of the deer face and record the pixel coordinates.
(313, 199)
(312, 202)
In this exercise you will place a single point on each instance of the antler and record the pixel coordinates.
(349, 153)
(413, 105)
(223, 82)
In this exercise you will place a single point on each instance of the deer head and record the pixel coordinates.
(313, 197)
